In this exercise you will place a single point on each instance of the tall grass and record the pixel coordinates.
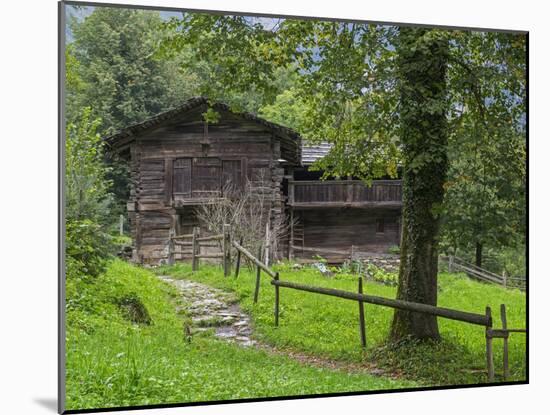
(114, 362)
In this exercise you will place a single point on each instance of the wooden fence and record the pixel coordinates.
(458, 264)
(485, 319)
(197, 242)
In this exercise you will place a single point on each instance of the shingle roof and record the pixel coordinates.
(313, 152)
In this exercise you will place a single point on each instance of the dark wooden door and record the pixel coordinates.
(206, 177)
(182, 177)
(232, 176)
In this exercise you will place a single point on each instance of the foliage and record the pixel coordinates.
(394, 250)
(225, 66)
(327, 326)
(86, 187)
(87, 248)
(377, 274)
(113, 362)
(87, 196)
(124, 84)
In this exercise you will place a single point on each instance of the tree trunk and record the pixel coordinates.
(479, 254)
(422, 62)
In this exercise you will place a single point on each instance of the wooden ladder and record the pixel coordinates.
(299, 233)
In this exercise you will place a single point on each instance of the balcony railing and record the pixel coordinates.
(354, 193)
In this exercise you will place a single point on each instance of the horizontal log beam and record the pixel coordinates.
(210, 238)
(253, 259)
(209, 256)
(320, 250)
(190, 235)
(479, 319)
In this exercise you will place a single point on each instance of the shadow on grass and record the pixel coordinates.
(430, 362)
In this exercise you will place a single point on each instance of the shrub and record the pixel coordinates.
(394, 250)
(377, 274)
(87, 248)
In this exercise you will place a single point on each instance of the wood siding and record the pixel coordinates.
(345, 192)
(368, 230)
(181, 163)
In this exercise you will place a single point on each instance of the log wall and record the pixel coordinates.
(368, 230)
(159, 202)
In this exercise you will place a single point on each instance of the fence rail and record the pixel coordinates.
(481, 274)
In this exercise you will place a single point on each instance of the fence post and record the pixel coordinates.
(238, 265)
(504, 279)
(489, 346)
(362, 328)
(450, 263)
(121, 224)
(171, 235)
(226, 250)
(506, 370)
(196, 248)
(258, 269)
(276, 300)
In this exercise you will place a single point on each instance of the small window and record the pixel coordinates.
(380, 225)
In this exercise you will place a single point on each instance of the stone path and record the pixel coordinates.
(211, 308)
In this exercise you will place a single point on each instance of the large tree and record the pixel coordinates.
(422, 57)
(382, 95)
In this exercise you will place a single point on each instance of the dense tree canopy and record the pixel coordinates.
(121, 80)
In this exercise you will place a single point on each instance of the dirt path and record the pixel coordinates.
(213, 308)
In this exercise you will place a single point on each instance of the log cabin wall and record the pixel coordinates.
(372, 230)
(185, 162)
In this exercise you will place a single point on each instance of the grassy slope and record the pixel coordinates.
(112, 362)
(328, 326)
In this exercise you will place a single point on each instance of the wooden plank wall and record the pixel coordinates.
(340, 228)
(152, 207)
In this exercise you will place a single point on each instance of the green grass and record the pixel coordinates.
(114, 362)
(328, 326)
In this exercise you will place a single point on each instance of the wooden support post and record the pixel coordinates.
(291, 242)
(121, 225)
(238, 265)
(196, 248)
(489, 346)
(504, 279)
(258, 270)
(267, 239)
(171, 259)
(506, 369)
(450, 263)
(362, 329)
(226, 250)
(276, 300)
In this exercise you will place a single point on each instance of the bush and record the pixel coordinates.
(377, 274)
(394, 250)
(87, 248)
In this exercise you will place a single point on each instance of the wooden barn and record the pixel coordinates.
(179, 161)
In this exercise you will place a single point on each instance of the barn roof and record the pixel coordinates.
(127, 134)
(313, 152)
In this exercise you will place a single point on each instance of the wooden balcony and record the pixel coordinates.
(344, 193)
